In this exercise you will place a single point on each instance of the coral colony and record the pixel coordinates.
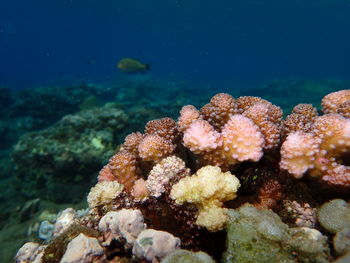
(231, 182)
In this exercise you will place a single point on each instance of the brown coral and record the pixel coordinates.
(332, 101)
(344, 109)
(274, 112)
(165, 128)
(269, 193)
(124, 167)
(154, 148)
(132, 142)
(264, 116)
(301, 119)
(221, 107)
(334, 132)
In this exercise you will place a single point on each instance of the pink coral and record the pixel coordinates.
(242, 140)
(201, 137)
(301, 119)
(320, 151)
(164, 127)
(139, 189)
(106, 174)
(298, 153)
(188, 115)
(260, 114)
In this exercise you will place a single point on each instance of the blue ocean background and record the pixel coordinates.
(218, 42)
(58, 57)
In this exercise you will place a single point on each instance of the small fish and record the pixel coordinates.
(131, 65)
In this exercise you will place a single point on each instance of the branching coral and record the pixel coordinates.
(227, 138)
(208, 189)
(103, 193)
(132, 142)
(298, 153)
(188, 115)
(216, 135)
(301, 119)
(168, 171)
(165, 128)
(123, 167)
(320, 151)
(301, 214)
(269, 193)
(154, 148)
(201, 137)
(334, 100)
(150, 179)
(221, 107)
(242, 140)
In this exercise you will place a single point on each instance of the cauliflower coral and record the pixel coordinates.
(207, 189)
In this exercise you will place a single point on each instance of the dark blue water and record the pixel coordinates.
(218, 42)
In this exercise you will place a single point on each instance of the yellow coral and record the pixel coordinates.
(104, 192)
(207, 189)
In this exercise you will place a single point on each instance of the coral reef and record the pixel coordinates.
(320, 148)
(70, 152)
(186, 185)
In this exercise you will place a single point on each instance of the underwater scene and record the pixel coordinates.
(175, 131)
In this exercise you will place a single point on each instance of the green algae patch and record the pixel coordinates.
(334, 215)
(260, 236)
(185, 256)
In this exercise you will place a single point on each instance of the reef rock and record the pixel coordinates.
(185, 256)
(30, 252)
(126, 223)
(64, 220)
(334, 215)
(83, 249)
(152, 244)
(259, 236)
